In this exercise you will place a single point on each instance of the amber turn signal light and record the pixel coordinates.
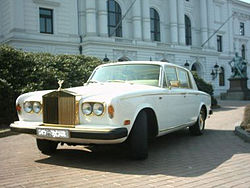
(111, 111)
(126, 122)
(18, 108)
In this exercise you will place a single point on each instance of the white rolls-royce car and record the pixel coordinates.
(121, 102)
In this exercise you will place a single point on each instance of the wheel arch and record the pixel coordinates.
(203, 106)
(152, 121)
(153, 128)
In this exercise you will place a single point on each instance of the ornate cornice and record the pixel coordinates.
(241, 16)
(47, 3)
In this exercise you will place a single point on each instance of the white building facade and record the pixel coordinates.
(172, 30)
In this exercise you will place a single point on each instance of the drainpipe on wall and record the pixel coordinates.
(80, 47)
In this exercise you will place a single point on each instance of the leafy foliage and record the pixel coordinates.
(206, 87)
(22, 72)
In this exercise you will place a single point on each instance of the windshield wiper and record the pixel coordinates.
(122, 81)
(92, 81)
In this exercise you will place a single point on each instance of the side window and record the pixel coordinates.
(170, 73)
(183, 78)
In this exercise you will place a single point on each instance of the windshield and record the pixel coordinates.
(135, 73)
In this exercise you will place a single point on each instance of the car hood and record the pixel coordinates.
(100, 91)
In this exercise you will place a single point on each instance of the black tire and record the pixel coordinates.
(46, 146)
(198, 128)
(138, 138)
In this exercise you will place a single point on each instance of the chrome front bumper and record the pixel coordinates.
(79, 134)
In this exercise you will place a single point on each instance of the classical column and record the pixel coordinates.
(17, 20)
(173, 21)
(146, 20)
(181, 22)
(91, 17)
(230, 28)
(247, 48)
(103, 19)
(211, 29)
(136, 20)
(81, 16)
(203, 15)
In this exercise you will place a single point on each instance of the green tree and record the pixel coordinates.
(206, 87)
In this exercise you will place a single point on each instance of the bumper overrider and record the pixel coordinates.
(78, 134)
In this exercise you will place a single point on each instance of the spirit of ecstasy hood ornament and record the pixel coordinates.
(60, 82)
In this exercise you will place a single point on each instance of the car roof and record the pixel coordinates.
(161, 63)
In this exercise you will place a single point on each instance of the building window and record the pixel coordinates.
(114, 18)
(155, 25)
(219, 43)
(46, 20)
(222, 77)
(188, 31)
(243, 52)
(242, 29)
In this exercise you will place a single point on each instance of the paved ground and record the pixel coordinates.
(216, 159)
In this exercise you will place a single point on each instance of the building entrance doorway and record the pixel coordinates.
(196, 67)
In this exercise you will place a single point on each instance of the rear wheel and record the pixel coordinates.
(138, 138)
(46, 146)
(198, 128)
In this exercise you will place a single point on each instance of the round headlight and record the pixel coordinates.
(27, 106)
(98, 109)
(37, 107)
(86, 108)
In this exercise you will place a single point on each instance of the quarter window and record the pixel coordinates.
(46, 20)
(183, 78)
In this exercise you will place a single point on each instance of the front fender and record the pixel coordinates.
(140, 108)
(133, 107)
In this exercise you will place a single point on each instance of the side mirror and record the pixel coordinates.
(174, 83)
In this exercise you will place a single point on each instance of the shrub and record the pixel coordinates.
(246, 120)
(206, 87)
(22, 72)
(6, 95)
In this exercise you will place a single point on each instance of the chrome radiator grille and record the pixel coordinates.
(59, 107)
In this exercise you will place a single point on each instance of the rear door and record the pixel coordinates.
(191, 99)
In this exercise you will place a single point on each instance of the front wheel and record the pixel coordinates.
(46, 146)
(138, 138)
(198, 128)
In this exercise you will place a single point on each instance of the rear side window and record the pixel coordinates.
(170, 75)
(183, 78)
(176, 77)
